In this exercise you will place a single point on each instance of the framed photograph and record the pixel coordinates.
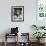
(17, 13)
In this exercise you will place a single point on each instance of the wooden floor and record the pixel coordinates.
(13, 44)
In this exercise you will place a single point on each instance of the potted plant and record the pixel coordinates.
(38, 27)
(39, 35)
(35, 26)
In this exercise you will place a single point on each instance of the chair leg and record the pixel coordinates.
(5, 40)
(5, 43)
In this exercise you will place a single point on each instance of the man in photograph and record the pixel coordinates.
(18, 12)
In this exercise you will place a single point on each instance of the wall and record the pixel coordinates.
(29, 15)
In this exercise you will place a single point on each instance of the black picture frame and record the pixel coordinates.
(17, 13)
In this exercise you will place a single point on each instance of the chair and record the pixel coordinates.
(7, 35)
(14, 32)
(26, 41)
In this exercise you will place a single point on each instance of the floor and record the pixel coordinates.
(13, 44)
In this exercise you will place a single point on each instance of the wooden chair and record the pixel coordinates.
(8, 34)
(25, 36)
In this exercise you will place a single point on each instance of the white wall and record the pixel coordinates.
(29, 15)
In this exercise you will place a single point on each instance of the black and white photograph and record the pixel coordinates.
(17, 13)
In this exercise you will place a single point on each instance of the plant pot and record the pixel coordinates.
(40, 41)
